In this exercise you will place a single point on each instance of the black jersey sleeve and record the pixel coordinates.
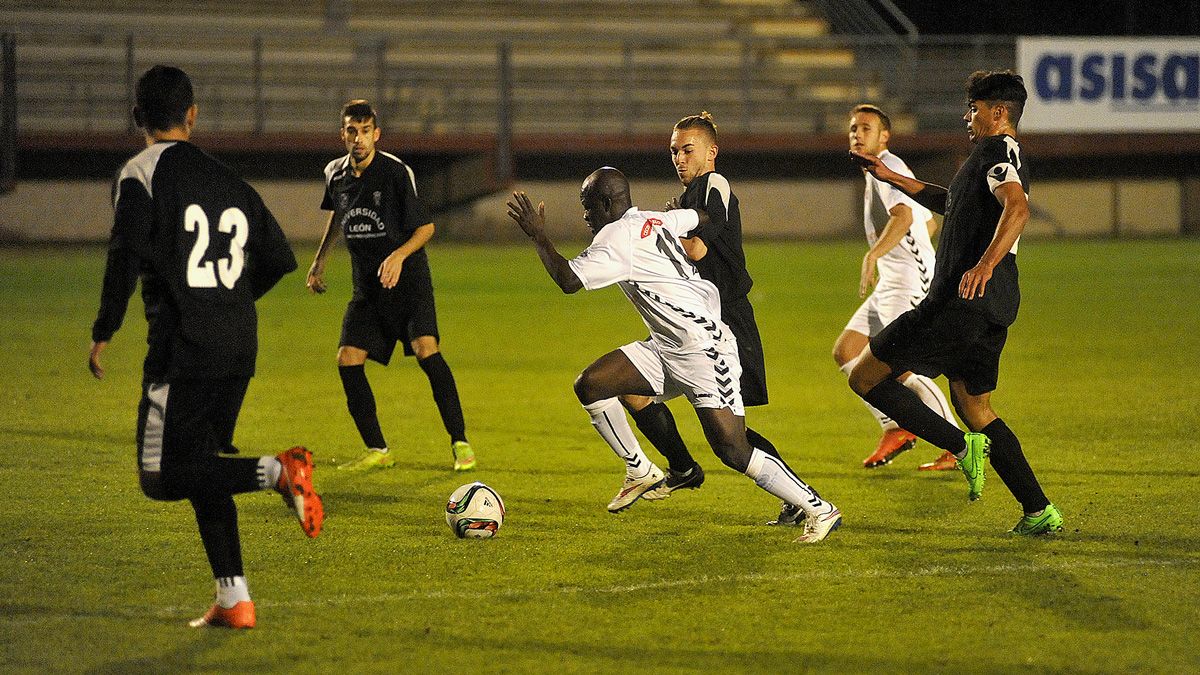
(127, 245)
(715, 202)
(414, 212)
(932, 197)
(271, 256)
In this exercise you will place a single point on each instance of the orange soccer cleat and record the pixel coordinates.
(240, 615)
(296, 486)
(946, 462)
(894, 442)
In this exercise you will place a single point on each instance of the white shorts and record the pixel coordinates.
(710, 377)
(882, 307)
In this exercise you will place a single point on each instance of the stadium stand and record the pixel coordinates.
(599, 66)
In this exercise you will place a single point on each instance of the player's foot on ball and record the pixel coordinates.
(819, 527)
(789, 514)
(373, 458)
(894, 442)
(945, 462)
(240, 615)
(677, 480)
(634, 488)
(464, 456)
(971, 464)
(1048, 521)
(296, 486)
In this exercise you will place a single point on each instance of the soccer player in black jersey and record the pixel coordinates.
(960, 328)
(721, 260)
(373, 197)
(205, 248)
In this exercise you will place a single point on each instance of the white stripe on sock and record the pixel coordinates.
(608, 417)
(773, 476)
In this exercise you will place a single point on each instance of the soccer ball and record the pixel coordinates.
(475, 511)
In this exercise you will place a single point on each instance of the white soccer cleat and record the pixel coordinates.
(634, 488)
(818, 527)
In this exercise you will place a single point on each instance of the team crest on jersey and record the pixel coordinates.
(375, 195)
(648, 227)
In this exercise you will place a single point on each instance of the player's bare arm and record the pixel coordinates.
(389, 269)
(1012, 223)
(929, 195)
(533, 223)
(897, 226)
(316, 273)
(693, 246)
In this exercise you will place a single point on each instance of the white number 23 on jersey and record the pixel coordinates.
(200, 272)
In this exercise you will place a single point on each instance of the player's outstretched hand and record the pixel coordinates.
(94, 360)
(672, 204)
(390, 268)
(974, 281)
(316, 280)
(532, 221)
(868, 162)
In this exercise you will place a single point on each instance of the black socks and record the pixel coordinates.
(361, 403)
(657, 424)
(908, 410)
(445, 395)
(1011, 466)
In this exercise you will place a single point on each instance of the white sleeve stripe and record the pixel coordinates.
(717, 182)
(141, 168)
(1000, 174)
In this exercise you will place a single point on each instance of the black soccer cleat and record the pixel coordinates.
(677, 480)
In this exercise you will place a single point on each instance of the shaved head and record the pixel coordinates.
(605, 197)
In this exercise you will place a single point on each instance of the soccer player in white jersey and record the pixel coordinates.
(898, 234)
(689, 351)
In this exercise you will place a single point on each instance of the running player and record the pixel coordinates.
(723, 262)
(690, 350)
(373, 197)
(960, 328)
(898, 231)
(205, 248)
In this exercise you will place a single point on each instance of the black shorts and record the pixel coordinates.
(739, 316)
(183, 420)
(960, 344)
(375, 324)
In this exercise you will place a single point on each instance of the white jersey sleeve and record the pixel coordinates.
(608, 260)
(890, 195)
(681, 222)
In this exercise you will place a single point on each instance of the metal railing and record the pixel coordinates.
(256, 82)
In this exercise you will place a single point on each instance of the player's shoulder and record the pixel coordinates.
(337, 168)
(1001, 147)
(895, 163)
(142, 166)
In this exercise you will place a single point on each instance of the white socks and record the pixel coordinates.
(609, 419)
(231, 591)
(773, 476)
(269, 469)
(884, 421)
(931, 395)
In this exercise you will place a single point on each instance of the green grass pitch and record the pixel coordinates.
(1097, 380)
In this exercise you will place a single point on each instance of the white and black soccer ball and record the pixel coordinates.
(475, 511)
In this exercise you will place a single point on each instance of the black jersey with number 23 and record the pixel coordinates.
(205, 247)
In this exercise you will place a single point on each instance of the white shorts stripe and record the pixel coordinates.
(152, 434)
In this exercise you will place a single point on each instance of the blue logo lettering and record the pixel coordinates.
(1144, 77)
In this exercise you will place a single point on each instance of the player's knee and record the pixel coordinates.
(585, 388)
(351, 357)
(424, 348)
(861, 380)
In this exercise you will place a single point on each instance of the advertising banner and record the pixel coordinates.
(1125, 85)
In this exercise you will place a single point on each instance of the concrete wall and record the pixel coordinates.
(80, 210)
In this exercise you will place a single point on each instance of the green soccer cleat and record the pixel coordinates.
(464, 456)
(1048, 521)
(371, 459)
(971, 464)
